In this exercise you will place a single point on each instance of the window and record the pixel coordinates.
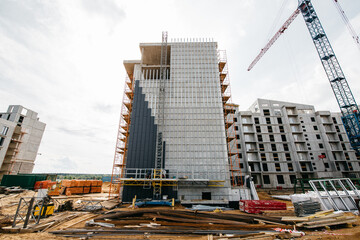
(272, 139)
(238, 146)
(269, 129)
(286, 147)
(321, 145)
(4, 130)
(235, 119)
(240, 155)
(318, 136)
(260, 139)
(251, 165)
(281, 128)
(343, 146)
(206, 196)
(340, 137)
(236, 128)
(337, 128)
(265, 167)
(290, 167)
(303, 166)
(273, 147)
(315, 128)
(280, 179)
(21, 119)
(266, 179)
(261, 147)
(258, 129)
(266, 112)
(347, 156)
(326, 165)
(263, 156)
(283, 138)
(241, 165)
(1, 141)
(256, 120)
(276, 157)
(277, 167)
(268, 121)
(287, 156)
(279, 120)
(237, 136)
(292, 179)
(312, 119)
(334, 120)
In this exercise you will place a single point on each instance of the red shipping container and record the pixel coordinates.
(257, 206)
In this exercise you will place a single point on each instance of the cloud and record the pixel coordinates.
(104, 8)
(105, 108)
(57, 165)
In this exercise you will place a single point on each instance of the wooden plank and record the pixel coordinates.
(332, 224)
(294, 219)
(76, 221)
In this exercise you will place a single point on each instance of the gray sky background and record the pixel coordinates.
(63, 59)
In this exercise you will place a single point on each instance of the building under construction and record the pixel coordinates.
(177, 125)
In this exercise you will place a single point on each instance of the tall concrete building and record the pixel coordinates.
(20, 137)
(192, 114)
(282, 141)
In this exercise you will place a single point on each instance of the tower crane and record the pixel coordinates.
(346, 101)
(347, 22)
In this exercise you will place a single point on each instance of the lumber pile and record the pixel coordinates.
(322, 219)
(178, 221)
(71, 187)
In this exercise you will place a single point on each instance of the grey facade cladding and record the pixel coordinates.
(281, 141)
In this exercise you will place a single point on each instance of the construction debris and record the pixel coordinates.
(322, 219)
(208, 208)
(306, 208)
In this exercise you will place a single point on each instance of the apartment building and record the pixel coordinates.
(282, 141)
(20, 137)
(190, 117)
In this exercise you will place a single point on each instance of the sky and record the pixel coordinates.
(63, 59)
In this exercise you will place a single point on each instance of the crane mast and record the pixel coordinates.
(338, 82)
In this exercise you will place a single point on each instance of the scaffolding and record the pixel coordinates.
(121, 147)
(172, 177)
(229, 119)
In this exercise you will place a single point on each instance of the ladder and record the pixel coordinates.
(159, 158)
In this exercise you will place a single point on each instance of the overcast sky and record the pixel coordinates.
(63, 59)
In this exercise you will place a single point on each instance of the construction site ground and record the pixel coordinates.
(9, 203)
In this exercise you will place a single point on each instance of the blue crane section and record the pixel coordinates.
(340, 87)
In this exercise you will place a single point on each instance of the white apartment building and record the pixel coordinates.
(20, 137)
(282, 141)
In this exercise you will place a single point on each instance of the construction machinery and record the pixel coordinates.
(346, 101)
